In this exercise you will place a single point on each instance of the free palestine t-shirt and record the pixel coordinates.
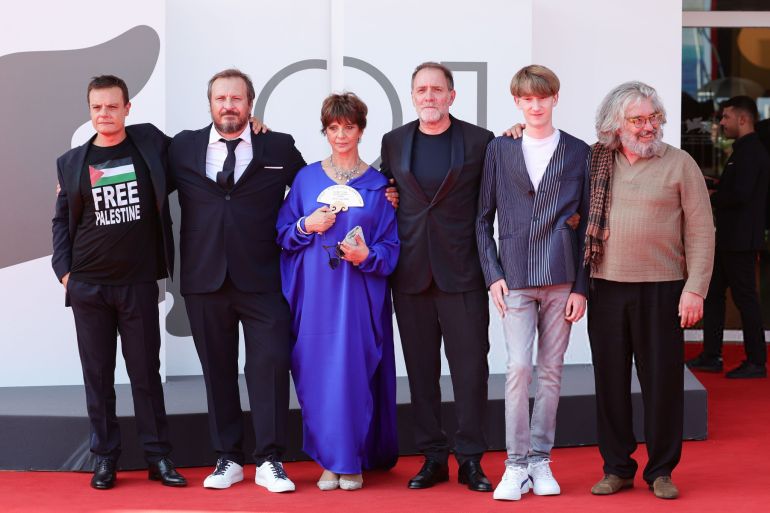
(118, 240)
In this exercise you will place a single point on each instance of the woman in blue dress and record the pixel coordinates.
(342, 362)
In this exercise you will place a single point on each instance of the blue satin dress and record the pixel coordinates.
(342, 362)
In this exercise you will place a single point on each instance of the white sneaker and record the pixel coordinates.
(514, 483)
(226, 474)
(272, 476)
(542, 478)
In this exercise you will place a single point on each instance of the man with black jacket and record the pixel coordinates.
(438, 287)
(113, 200)
(739, 204)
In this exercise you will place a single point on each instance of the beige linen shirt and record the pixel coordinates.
(660, 222)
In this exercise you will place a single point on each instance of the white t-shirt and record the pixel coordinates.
(537, 154)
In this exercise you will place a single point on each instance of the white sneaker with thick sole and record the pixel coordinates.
(513, 485)
(272, 476)
(226, 474)
(542, 479)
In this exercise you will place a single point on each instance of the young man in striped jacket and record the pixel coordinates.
(536, 184)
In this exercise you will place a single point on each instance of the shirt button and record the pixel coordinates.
(227, 197)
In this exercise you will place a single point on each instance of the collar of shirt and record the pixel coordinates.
(245, 135)
(216, 153)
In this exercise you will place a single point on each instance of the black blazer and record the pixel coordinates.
(231, 232)
(152, 144)
(438, 237)
(739, 201)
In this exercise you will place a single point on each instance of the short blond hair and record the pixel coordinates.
(535, 80)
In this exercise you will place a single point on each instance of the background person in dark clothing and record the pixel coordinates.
(739, 203)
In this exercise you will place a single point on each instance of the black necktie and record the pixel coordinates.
(225, 178)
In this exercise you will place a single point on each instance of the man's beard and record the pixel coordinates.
(232, 127)
(430, 115)
(645, 150)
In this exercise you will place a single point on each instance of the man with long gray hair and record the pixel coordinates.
(651, 250)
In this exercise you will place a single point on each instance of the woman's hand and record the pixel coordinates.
(355, 254)
(320, 220)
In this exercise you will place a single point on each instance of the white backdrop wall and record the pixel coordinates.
(369, 47)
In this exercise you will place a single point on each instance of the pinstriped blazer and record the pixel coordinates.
(536, 246)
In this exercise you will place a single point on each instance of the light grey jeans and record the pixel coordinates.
(527, 310)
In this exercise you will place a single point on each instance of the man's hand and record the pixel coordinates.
(690, 309)
(58, 188)
(573, 221)
(576, 307)
(391, 193)
(497, 290)
(320, 220)
(355, 254)
(257, 126)
(65, 279)
(515, 131)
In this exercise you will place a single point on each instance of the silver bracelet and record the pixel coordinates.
(299, 227)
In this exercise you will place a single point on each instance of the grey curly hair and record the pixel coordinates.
(611, 114)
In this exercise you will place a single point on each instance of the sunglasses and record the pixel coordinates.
(334, 257)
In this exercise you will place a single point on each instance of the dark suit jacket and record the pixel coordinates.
(438, 238)
(152, 144)
(231, 232)
(537, 248)
(739, 201)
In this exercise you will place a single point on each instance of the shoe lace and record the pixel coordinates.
(542, 468)
(515, 474)
(222, 466)
(278, 471)
(104, 465)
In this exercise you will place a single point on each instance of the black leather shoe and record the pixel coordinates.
(432, 472)
(470, 473)
(104, 474)
(747, 370)
(165, 472)
(705, 363)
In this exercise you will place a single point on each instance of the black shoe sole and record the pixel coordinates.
(422, 486)
(102, 486)
(167, 483)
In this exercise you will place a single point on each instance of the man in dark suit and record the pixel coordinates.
(112, 199)
(231, 183)
(739, 204)
(438, 286)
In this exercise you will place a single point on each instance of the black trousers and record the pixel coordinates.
(638, 320)
(734, 269)
(463, 321)
(101, 312)
(266, 322)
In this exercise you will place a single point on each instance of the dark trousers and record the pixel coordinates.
(101, 312)
(638, 320)
(463, 321)
(734, 269)
(265, 318)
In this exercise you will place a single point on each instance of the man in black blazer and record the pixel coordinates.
(231, 183)
(739, 204)
(438, 286)
(112, 199)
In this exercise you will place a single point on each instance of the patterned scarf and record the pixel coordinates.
(598, 230)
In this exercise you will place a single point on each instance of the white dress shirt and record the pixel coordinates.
(216, 153)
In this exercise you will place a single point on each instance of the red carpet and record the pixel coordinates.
(730, 472)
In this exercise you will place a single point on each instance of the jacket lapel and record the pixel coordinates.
(201, 147)
(257, 149)
(456, 161)
(520, 172)
(157, 171)
(403, 172)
